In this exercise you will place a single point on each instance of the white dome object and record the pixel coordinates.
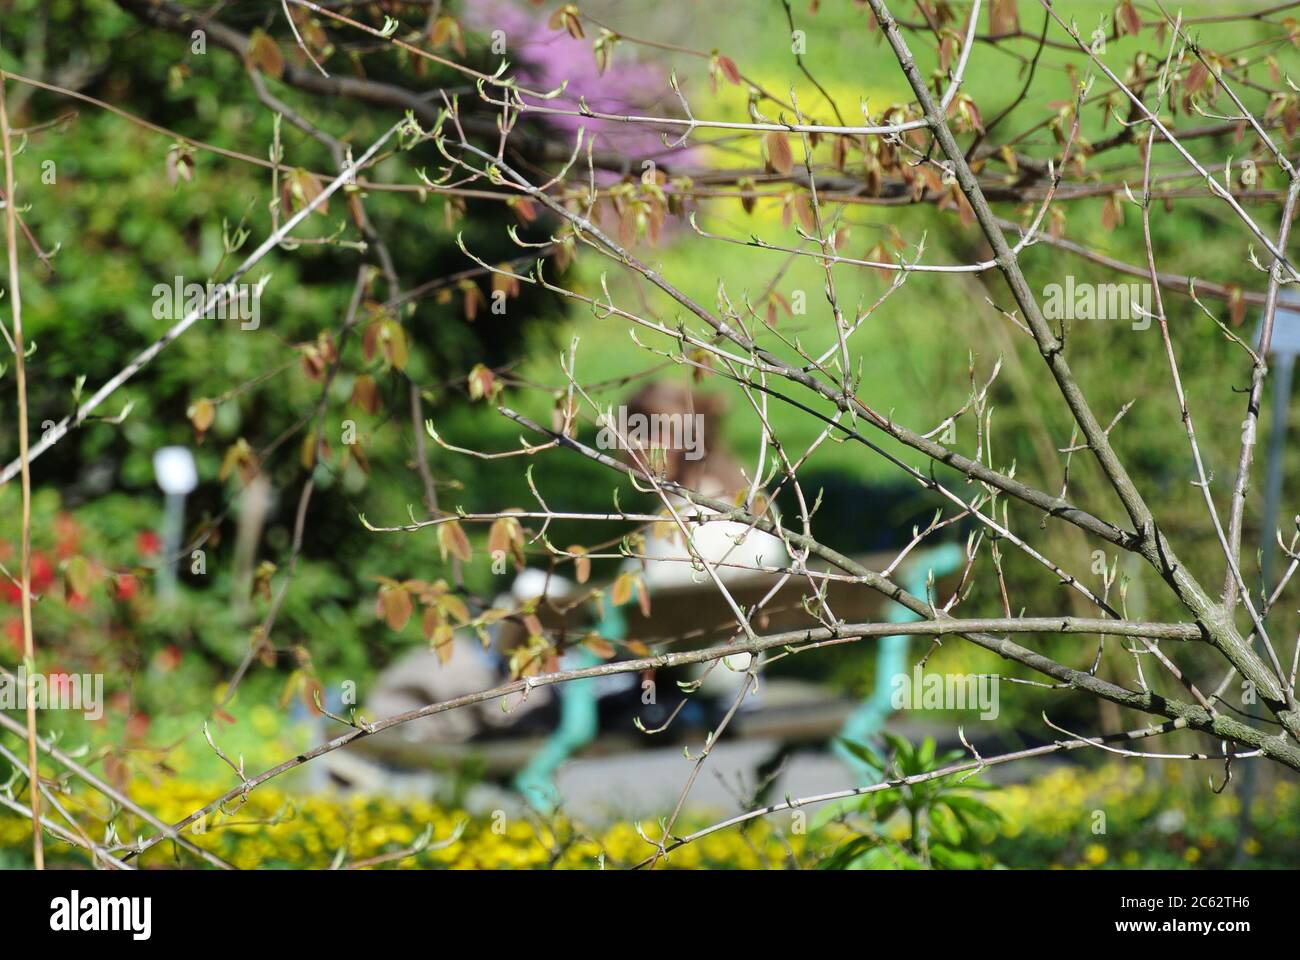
(531, 584)
(669, 564)
(725, 680)
(736, 545)
(175, 470)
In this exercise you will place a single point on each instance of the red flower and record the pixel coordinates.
(127, 586)
(137, 726)
(169, 658)
(42, 577)
(42, 572)
(147, 542)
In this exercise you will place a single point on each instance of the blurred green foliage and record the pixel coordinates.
(95, 187)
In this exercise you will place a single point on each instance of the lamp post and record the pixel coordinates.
(177, 477)
(1282, 351)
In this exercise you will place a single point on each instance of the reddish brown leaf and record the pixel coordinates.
(452, 539)
(365, 393)
(482, 382)
(581, 563)
(264, 53)
(394, 605)
(777, 147)
(728, 68)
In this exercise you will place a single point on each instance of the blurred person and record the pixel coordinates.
(701, 463)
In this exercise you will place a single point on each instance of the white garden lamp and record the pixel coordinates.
(177, 476)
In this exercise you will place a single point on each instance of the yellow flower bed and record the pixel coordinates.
(1142, 814)
(1059, 801)
(276, 829)
(1048, 821)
